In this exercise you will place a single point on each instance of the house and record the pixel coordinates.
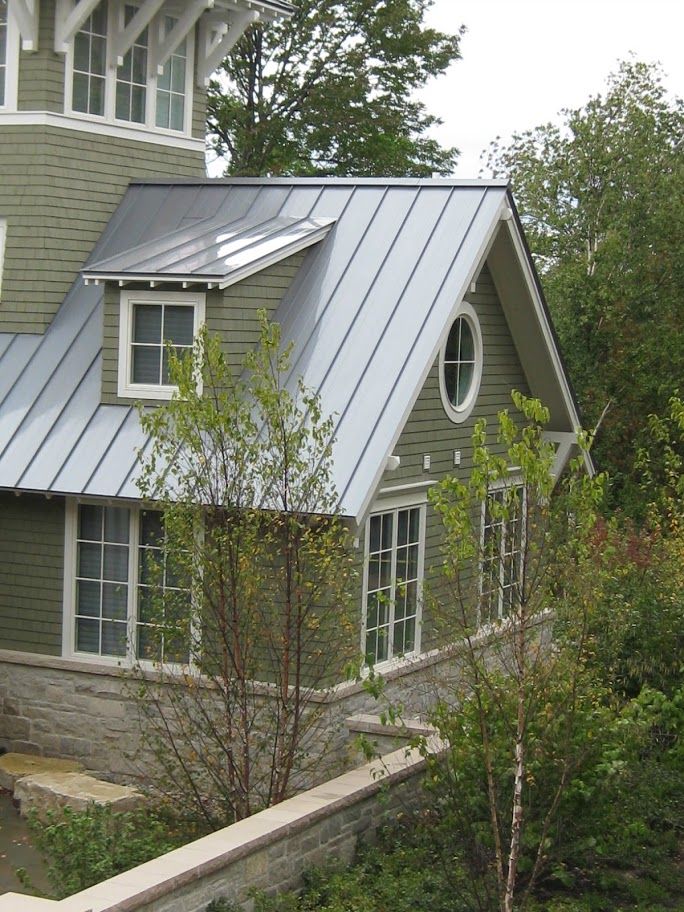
(413, 308)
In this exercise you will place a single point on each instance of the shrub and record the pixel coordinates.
(82, 849)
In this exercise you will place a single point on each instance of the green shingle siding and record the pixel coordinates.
(428, 430)
(231, 313)
(41, 72)
(58, 202)
(31, 573)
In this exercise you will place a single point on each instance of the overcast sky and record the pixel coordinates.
(524, 60)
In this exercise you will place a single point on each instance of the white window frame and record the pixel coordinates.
(69, 650)
(461, 413)
(127, 389)
(393, 505)
(495, 488)
(9, 102)
(115, 13)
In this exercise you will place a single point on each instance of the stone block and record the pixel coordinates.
(15, 766)
(14, 728)
(51, 791)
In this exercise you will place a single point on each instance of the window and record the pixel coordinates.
(171, 85)
(129, 600)
(90, 63)
(134, 92)
(102, 572)
(3, 242)
(9, 58)
(503, 517)
(161, 584)
(461, 365)
(3, 50)
(131, 77)
(393, 583)
(151, 323)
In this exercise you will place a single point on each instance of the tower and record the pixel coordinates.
(94, 93)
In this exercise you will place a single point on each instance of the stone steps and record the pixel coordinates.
(47, 784)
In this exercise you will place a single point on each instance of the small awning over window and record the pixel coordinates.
(212, 252)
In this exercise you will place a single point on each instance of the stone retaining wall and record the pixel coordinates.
(269, 851)
(60, 708)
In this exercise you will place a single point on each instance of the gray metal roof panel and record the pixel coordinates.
(365, 313)
(89, 448)
(213, 249)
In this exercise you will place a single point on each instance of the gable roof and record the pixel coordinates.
(366, 315)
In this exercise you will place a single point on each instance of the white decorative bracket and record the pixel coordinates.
(178, 33)
(25, 15)
(564, 440)
(69, 21)
(124, 41)
(215, 50)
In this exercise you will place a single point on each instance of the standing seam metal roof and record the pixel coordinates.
(365, 313)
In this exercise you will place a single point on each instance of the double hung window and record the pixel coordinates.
(503, 520)
(153, 324)
(392, 584)
(130, 599)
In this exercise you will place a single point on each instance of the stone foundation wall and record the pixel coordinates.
(59, 708)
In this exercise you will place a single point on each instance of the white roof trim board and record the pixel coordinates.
(365, 314)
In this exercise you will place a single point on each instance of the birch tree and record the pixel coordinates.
(246, 579)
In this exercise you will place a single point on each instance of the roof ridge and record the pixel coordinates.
(321, 181)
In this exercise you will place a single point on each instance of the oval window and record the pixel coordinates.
(461, 365)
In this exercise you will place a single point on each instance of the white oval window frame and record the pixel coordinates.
(462, 413)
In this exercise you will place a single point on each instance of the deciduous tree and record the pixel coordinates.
(602, 198)
(333, 91)
(246, 583)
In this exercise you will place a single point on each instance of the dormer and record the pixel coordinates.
(95, 93)
(217, 270)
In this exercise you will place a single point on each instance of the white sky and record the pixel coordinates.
(524, 60)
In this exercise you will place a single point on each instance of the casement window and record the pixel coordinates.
(9, 58)
(502, 545)
(460, 364)
(150, 325)
(125, 600)
(393, 574)
(136, 92)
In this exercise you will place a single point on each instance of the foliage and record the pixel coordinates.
(82, 849)
(332, 91)
(601, 197)
(249, 615)
(522, 715)
(398, 873)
